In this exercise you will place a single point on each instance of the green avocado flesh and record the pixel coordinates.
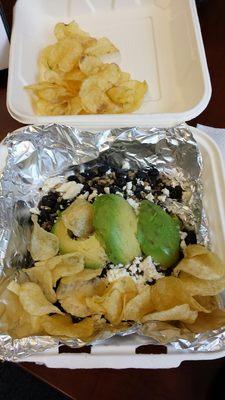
(158, 234)
(115, 224)
(94, 254)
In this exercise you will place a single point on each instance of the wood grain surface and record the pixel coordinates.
(201, 380)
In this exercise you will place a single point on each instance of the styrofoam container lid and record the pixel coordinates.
(159, 40)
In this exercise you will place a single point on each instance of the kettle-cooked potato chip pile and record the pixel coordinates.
(73, 79)
(45, 298)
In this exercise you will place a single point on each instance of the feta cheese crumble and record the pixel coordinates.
(134, 204)
(70, 189)
(149, 269)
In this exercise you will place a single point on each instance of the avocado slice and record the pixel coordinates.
(94, 254)
(158, 234)
(115, 224)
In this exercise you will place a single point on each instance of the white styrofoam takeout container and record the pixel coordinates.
(159, 41)
(120, 352)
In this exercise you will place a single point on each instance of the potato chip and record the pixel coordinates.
(124, 77)
(85, 275)
(129, 95)
(163, 332)
(53, 93)
(43, 277)
(90, 65)
(43, 244)
(202, 287)
(64, 55)
(201, 263)
(73, 79)
(34, 301)
(78, 218)
(14, 287)
(101, 47)
(177, 313)
(71, 30)
(14, 320)
(74, 106)
(28, 325)
(97, 102)
(209, 302)
(42, 107)
(169, 292)
(69, 264)
(75, 75)
(138, 306)
(207, 322)
(11, 311)
(45, 73)
(111, 304)
(61, 325)
(75, 302)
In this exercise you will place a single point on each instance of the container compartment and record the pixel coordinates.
(159, 41)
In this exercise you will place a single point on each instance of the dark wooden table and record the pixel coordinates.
(201, 380)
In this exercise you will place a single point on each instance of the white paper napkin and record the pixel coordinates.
(216, 134)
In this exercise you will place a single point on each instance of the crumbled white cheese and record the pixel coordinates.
(125, 165)
(150, 197)
(162, 198)
(130, 192)
(183, 235)
(108, 172)
(129, 185)
(35, 210)
(116, 273)
(148, 187)
(107, 190)
(166, 192)
(134, 204)
(149, 269)
(120, 194)
(183, 244)
(140, 182)
(70, 189)
(93, 195)
(52, 183)
(133, 268)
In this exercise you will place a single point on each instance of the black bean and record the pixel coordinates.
(175, 192)
(73, 178)
(191, 238)
(121, 181)
(103, 169)
(138, 190)
(153, 172)
(114, 189)
(49, 200)
(103, 273)
(142, 174)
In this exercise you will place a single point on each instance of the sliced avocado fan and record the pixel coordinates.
(115, 224)
(158, 234)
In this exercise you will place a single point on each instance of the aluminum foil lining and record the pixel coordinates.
(37, 153)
